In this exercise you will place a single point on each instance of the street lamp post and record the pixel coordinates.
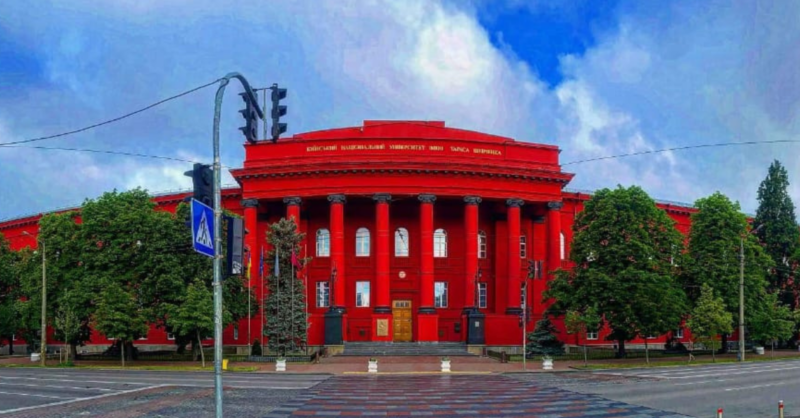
(741, 293)
(43, 331)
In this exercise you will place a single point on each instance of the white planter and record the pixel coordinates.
(280, 365)
(547, 364)
(446, 366)
(373, 367)
(759, 350)
(35, 357)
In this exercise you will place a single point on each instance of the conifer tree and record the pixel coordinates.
(543, 340)
(286, 303)
(779, 233)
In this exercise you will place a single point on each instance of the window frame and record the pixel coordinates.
(171, 336)
(236, 332)
(483, 295)
(563, 246)
(678, 333)
(398, 235)
(439, 243)
(592, 335)
(326, 302)
(364, 303)
(523, 246)
(440, 301)
(363, 243)
(483, 245)
(323, 238)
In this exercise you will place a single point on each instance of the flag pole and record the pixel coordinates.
(292, 298)
(249, 308)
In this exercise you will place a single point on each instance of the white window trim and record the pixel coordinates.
(170, 336)
(440, 251)
(364, 301)
(326, 301)
(563, 246)
(483, 245)
(236, 332)
(362, 238)
(678, 333)
(327, 240)
(483, 290)
(592, 335)
(407, 247)
(14, 337)
(444, 299)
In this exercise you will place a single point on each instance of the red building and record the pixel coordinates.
(416, 231)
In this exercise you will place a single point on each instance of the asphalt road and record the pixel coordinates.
(749, 390)
(23, 389)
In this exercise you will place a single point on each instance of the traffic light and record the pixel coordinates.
(250, 128)
(278, 110)
(235, 256)
(203, 183)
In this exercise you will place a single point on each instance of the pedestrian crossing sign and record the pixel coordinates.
(202, 228)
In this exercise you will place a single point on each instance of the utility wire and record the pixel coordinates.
(129, 154)
(658, 151)
(86, 128)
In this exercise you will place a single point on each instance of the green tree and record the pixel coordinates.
(194, 318)
(119, 316)
(29, 306)
(779, 233)
(9, 293)
(775, 322)
(543, 340)
(626, 253)
(286, 322)
(710, 317)
(578, 323)
(719, 230)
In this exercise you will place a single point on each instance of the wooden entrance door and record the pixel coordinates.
(401, 314)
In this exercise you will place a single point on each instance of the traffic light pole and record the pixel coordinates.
(218, 233)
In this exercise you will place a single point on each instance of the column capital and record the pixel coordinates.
(515, 203)
(472, 200)
(292, 201)
(337, 198)
(427, 198)
(249, 203)
(555, 205)
(382, 197)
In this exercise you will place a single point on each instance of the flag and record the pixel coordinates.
(261, 264)
(295, 260)
(249, 258)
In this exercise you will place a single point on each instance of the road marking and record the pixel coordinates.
(33, 394)
(734, 372)
(106, 395)
(755, 386)
(57, 387)
(71, 380)
(702, 381)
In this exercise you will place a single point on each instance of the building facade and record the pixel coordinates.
(415, 231)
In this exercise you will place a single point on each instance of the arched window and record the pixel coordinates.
(401, 242)
(481, 244)
(439, 243)
(362, 242)
(563, 247)
(323, 243)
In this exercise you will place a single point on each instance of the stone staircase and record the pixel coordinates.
(377, 349)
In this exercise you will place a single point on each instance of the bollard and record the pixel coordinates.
(719, 413)
(780, 409)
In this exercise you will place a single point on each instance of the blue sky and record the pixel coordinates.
(593, 77)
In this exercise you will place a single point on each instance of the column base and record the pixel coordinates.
(382, 329)
(513, 311)
(428, 328)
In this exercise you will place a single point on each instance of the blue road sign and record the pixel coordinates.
(202, 228)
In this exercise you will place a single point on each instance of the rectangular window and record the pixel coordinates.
(440, 294)
(236, 332)
(170, 336)
(323, 294)
(523, 247)
(14, 337)
(522, 299)
(482, 295)
(591, 335)
(362, 294)
(678, 333)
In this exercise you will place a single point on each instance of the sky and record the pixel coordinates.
(596, 78)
